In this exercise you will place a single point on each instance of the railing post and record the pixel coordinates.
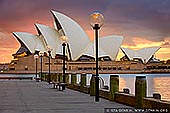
(140, 90)
(114, 86)
(92, 85)
(82, 82)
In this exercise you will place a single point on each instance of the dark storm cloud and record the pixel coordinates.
(145, 19)
(15, 12)
(148, 19)
(18, 8)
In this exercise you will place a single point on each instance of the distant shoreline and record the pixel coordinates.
(161, 71)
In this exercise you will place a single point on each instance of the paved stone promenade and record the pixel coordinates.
(26, 96)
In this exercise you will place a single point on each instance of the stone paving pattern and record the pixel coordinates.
(28, 96)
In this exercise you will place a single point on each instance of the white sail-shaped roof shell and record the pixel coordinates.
(128, 52)
(101, 52)
(144, 54)
(31, 41)
(78, 41)
(77, 38)
(108, 46)
(40, 45)
(111, 44)
(89, 50)
(51, 37)
(147, 53)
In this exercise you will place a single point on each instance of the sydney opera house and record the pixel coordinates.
(80, 50)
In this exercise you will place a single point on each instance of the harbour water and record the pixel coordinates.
(156, 83)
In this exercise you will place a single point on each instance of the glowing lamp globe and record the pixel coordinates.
(96, 19)
(35, 56)
(41, 53)
(48, 48)
(64, 39)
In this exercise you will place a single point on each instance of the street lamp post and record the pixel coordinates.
(41, 54)
(96, 20)
(49, 58)
(64, 40)
(36, 61)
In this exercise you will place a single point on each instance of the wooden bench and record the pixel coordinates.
(59, 86)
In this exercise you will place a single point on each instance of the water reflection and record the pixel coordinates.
(162, 86)
(127, 82)
(155, 83)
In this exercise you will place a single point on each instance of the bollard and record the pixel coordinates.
(39, 76)
(126, 90)
(82, 82)
(66, 78)
(46, 77)
(140, 90)
(60, 77)
(73, 79)
(42, 77)
(114, 86)
(92, 86)
(57, 77)
(157, 96)
(52, 77)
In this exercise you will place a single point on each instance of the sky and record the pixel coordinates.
(143, 23)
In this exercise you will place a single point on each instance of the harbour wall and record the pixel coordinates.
(139, 100)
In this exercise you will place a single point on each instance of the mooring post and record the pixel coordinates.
(66, 78)
(82, 81)
(140, 90)
(43, 77)
(73, 79)
(114, 86)
(46, 77)
(92, 85)
(54, 77)
(39, 77)
(57, 75)
(60, 77)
